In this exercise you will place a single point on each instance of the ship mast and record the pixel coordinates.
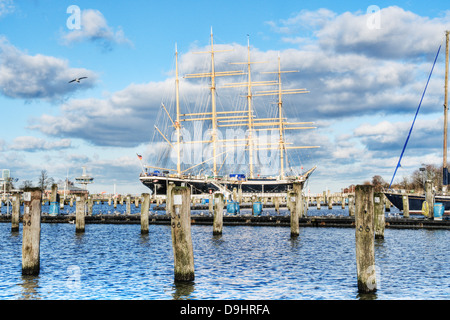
(280, 125)
(212, 75)
(177, 123)
(249, 84)
(280, 121)
(445, 170)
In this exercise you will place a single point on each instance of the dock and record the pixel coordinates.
(246, 220)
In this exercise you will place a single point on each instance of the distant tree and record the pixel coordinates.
(26, 184)
(44, 180)
(378, 183)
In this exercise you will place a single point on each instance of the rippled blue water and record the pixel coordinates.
(246, 262)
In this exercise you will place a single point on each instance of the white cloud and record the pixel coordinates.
(6, 7)
(305, 19)
(95, 28)
(402, 34)
(37, 77)
(33, 144)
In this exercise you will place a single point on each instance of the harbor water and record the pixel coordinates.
(116, 262)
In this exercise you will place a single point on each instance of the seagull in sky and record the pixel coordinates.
(77, 79)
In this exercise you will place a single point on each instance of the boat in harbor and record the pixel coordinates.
(251, 137)
(416, 202)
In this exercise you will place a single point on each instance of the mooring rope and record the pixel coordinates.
(417, 111)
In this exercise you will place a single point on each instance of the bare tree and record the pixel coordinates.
(44, 180)
(27, 184)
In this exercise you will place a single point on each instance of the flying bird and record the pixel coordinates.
(77, 79)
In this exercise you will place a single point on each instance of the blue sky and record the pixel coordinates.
(365, 84)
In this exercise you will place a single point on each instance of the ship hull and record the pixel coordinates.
(415, 202)
(158, 185)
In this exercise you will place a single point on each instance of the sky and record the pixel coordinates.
(364, 63)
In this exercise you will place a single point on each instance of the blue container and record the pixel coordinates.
(205, 201)
(54, 209)
(438, 211)
(233, 207)
(257, 208)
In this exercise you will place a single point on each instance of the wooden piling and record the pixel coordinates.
(388, 204)
(429, 198)
(181, 234)
(405, 205)
(136, 202)
(364, 238)
(276, 201)
(15, 217)
(240, 195)
(169, 198)
(351, 205)
(128, 204)
(218, 214)
(211, 204)
(80, 208)
(31, 233)
(379, 215)
(145, 206)
(295, 204)
(90, 205)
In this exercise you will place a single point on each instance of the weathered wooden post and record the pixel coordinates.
(115, 202)
(429, 198)
(71, 202)
(235, 195)
(292, 204)
(80, 208)
(379, 215)
(128, 204)
(211, 204)
(15, 217)
(136, 202)
(181, 234)
(169, 198)
(330, 203)
(364, 238)
(405, 200)
(318, 199)
(276, 201)
(90, 205)
(342, 202)
(31, 233)
(351, 205)
(145, 206)
(218, 214)
(388, 204)
(240, 195)
(54, 201)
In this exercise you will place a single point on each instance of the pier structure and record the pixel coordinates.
(268, 200)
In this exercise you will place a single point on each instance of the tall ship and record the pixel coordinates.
(239, 150)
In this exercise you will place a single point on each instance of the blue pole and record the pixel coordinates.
(417, 112)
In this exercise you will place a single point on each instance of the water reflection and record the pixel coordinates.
(29, 285)
(366, 296)
(183, 290)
